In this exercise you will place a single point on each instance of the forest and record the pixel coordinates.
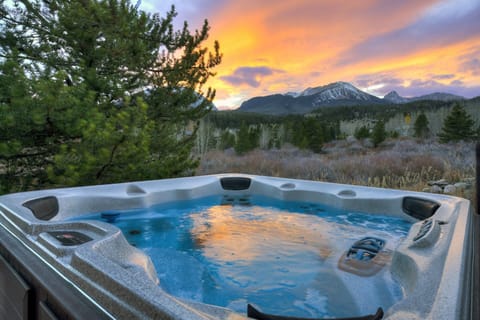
(247, 131)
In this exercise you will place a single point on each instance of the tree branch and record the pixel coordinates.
(110, 160)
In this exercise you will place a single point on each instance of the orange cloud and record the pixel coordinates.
(318, 42)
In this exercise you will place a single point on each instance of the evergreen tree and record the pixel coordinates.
(394, 134)
(458, 125)
(362, 133)
(74, 108)
(227, 140)
(314, 132)
(378, 133)
(308, 133)
(421, 126)
(247, 139)
(242, 143)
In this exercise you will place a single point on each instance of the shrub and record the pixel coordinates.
(401, 164)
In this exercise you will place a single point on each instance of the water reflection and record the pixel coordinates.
(251, 233)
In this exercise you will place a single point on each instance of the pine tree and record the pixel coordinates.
(247, 139)
(314, 132)
(378, 133)
(74, 108)
(307, 133)
(227, 140)
(362, 133)
(421, 126)
(458, 125)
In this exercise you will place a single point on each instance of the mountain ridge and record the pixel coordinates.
(334, 94)
(394, 97)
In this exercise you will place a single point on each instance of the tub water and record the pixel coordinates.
(205, 247)
(279, 255)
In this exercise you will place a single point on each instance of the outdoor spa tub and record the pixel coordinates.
(207, 247)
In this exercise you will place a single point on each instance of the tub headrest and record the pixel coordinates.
(419, 208)
(43, 208)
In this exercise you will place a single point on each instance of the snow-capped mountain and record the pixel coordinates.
(337, 91)
(333, 94)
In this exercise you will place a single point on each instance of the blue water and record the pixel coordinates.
(280, 256)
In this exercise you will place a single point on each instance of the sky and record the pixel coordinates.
(414, 47)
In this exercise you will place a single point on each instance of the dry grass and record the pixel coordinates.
(399, 164)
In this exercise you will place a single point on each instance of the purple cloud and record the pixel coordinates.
(471, 65)
(315, 73)
(192, 11)
(417, 83)
(385, 82)
(416, 87)
(365, 81)
(250, 76)
(447, 23)
(442, 76)
(419, 87)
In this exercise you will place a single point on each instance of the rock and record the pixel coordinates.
(355, 147)
(436, 189)
(450, 189)
(426, 190)
(351, 139)
(368, 143)
(441, 183)
(462, 185)
(470, 181)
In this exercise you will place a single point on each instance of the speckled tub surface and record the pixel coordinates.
(431, 264)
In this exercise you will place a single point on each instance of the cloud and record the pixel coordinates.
(470, 62)
(250, 76)
(378, 84)
(419, 83)
(443, 76)
(446, 23)
(378, 79)
(315, 74)
(472, 66)
(383, 83)
(418, 87)
(413, 47)
(457, 83)
(192, 11)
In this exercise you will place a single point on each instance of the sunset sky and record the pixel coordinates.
(276, 46)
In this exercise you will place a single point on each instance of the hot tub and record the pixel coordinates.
(368, 251)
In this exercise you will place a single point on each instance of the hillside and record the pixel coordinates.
(394, 97)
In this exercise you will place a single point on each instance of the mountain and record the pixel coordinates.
(333, 94)
(394, 97)
(337, 91)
